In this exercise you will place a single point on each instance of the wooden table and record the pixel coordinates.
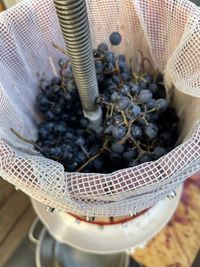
(178, 243)
(16, 216)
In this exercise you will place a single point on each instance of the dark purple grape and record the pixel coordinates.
(109, 57)
(69, 74)
(81, 158)
(114, 156)
(80, 141)
(121, 63)
(98, 164)
(117, 119)
(125, 69)
(100, 77)
(151, 104)
(125, 89)
(69, 135)
(96, 53)
(103, 47)
(125, 76)
(43, 133)
(143, 86)
(117, 148)
(56, 109)
(161, 105)
(153, 88)
(98, 66)
(49, 126)
(151, 130)
(145, 96)
(145, 157)
(166, 139)
(56, 81)
(133, 111)
(62, 62)
(72, 167)
(111, 88)
(122, 58)
(123, 103)
(144, 119)
(60, 129)
(134, 88)
(148, 78)
(68, 157)
(108, 129)
(116, 79)
(154, 117)
(56, 89)
(130, 154)
(118, 132)
(49, 115)
(42, 99)
(136, 132)
(114, 97)
(94, 149)
(43, 107)
(55, 152)
(159, 152)
(115, 38)
(132, 163)
(108, 67)
(84, 122)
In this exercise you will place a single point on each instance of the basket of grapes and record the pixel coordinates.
(146, 56)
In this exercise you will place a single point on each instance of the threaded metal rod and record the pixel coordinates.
(74, 23)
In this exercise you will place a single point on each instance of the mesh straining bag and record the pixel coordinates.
(167, 32)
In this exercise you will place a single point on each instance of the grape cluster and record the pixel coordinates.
(138, 123)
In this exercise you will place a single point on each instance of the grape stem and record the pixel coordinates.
(98, 58)
(146, 122)
(143, 61)
(63, 68)
(129, 95)
(111, 71)
(151, 110)
(85, 151)
(93, 157)
(138, 146)
(29, 141)
(123, 140)
(124, 118)
(100, 100)
(60, 49)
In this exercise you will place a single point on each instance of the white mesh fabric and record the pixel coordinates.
(165, 31)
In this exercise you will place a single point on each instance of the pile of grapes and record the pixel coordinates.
(138, 123)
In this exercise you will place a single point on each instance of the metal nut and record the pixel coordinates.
(49, 209)
(172, 195)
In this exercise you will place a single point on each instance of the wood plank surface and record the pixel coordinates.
(18, 233)
(11, 212)
(5, 191)
(178, 243)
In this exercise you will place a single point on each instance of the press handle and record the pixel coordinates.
(33, 235)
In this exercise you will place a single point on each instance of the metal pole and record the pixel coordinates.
(74, 23)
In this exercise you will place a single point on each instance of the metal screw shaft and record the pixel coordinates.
(74, 23)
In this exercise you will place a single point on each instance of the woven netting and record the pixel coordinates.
(167, 32)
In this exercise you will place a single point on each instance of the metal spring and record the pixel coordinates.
(74, 23)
